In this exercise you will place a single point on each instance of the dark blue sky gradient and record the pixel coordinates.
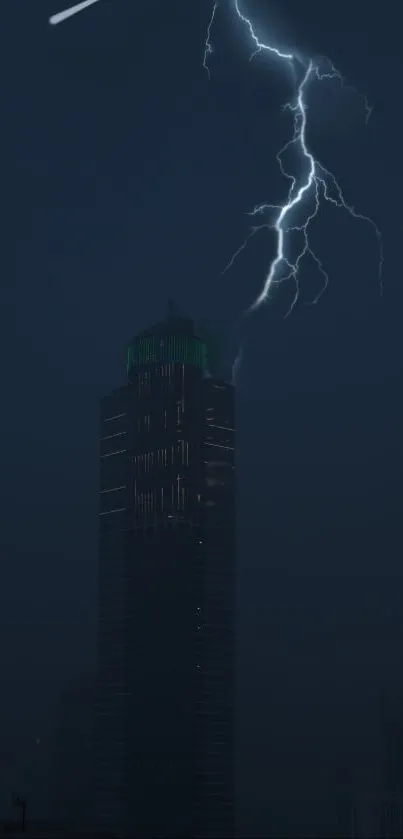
(126, 176)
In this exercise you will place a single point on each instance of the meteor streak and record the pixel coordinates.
(307, 191)
(79, 7)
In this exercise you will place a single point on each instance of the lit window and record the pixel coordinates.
(116, 416)
(118, 434)
(109, 512)
(110, 454)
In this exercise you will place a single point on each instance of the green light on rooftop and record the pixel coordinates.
(166, 349)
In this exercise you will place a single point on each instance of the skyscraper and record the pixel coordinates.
(166, 641)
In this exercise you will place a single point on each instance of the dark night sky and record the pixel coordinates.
(126, 175)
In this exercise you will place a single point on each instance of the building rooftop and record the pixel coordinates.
(177, 340)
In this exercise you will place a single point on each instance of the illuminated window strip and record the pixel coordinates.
(117, 416)
(109, 512)
(222, 427)
(217, 446)
(119, 451)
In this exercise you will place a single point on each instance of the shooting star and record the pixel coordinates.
(79, 7)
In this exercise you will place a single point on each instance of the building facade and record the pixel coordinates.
(164, 745)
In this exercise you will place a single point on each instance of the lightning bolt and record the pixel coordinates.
(307, 192)
(208, 47)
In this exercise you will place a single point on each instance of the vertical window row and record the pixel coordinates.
(162, 458)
